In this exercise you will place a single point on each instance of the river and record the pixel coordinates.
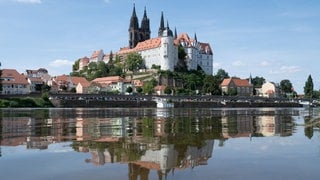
(151, 143)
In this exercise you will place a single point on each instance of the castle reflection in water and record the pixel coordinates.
(146, 139)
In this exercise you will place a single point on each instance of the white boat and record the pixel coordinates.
(164, 103)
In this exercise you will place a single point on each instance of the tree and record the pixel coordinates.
(168, 90)
(211, 85)
(139, 90)
(133, 61)
(148, 86)
(75, 66)
(257, 82)
(129, 90)
(308, 88)
(181, 53)
(286, 86)
(222, 74)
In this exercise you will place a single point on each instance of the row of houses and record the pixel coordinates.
(32, 81)
(243, 87)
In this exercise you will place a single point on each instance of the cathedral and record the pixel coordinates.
(162, 50)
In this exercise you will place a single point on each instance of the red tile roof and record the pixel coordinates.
(96, 53)
(142, 46)
(109, 80)
(13, 74)
(75, 80)
(237, 82)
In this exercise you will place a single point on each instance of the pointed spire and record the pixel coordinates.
(134, 11)
(175, 33)
(195, 37)
(145, 12)
(168, 25)
(161, 21)
(161, 28)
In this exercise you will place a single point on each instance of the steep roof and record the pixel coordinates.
(16, 78)
(109, 80)
(148, 44)
(141, 46)
(237, 82)
(74, 79)
(96, 53)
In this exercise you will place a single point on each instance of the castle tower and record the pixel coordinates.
(145, 27)
(134, 31)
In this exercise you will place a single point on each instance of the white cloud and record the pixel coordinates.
(286, 70)
(216, 65)
(61, 63)
(238, 63)
(29, 1)
(264, 63)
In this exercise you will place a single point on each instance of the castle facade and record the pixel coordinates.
(161, 50)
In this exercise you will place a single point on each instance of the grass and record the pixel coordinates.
(25, 102)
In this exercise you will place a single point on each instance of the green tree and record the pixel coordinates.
(257, 82)
(75, 66)
(133, 61)
(181, 53)
(211, 85)
(308, 88)
(222, 74)
(149, 86)
(139, 90)
(286, 86)
(168, 90)
(129, 90)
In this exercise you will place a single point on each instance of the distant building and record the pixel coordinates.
(41, 73)
(242, 87)
(14, 82)
(112, 84)
(66, 82)
(269, 89)
(36, 84)
(162, 50)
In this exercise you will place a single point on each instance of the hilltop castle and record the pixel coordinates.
(162, 50)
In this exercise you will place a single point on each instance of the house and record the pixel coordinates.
(236, 86)
(83, 87)
(36, 84)
(112, 83)
(269, 89)
(13, 82)
(67, 83)
(41, 73)
(160, 89)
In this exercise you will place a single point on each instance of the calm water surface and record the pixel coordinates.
(262, 143)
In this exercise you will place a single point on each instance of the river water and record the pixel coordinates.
(150, 143)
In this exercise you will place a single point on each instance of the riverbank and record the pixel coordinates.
(139, 101)
(21, 102)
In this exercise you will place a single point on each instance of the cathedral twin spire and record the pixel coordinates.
(138, 34)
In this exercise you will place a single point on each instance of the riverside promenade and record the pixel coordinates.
(149, 101)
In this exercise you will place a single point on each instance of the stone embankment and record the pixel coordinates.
(140, 101)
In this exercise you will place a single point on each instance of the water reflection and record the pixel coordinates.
(163, 140)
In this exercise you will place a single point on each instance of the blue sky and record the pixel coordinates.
(275, 39)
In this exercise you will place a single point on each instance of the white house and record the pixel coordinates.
(14, 82)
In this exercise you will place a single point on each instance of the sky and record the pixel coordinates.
(274, 39)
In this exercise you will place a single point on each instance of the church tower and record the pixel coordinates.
(134, 31)
(137, 34)
(145, 27)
